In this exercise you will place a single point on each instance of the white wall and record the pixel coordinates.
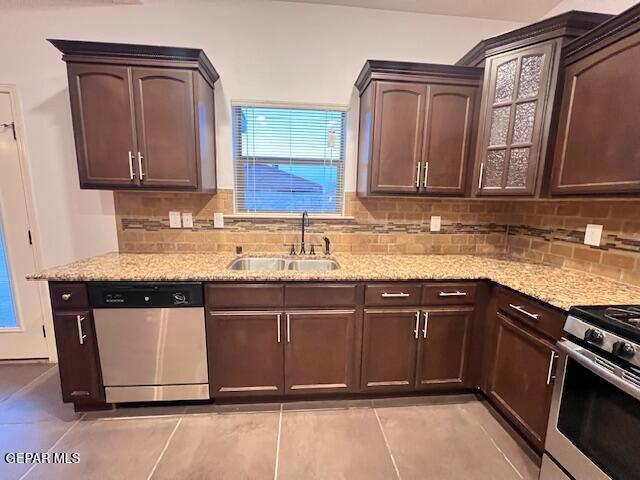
(613, 7)
(263, 50)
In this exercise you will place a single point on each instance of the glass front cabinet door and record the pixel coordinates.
(514, 118)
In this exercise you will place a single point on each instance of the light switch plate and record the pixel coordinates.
(175, 220)
(436, 220)
(593, 235)
(187, 220)
(218, 220)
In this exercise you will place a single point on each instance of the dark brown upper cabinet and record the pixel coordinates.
(416, 125)
(518, 98)
(143, 116)
(597, 147)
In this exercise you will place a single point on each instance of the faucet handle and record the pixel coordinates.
(327, 245)
(293, 249)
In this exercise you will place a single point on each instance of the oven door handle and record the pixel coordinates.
(604, 369)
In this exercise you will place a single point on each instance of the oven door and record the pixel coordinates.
(594, 426)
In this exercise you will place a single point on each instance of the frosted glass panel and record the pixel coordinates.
(7, 311)
(499, 125)
(505, 81)
(494, 168)
(523, 124)
(530, 75)
(518, 164)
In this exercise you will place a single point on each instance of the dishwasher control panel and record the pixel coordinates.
(145, 294)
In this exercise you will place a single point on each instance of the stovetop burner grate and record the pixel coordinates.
(629, 315)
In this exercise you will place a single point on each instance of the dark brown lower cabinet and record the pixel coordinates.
(443, 342)
(389, 349)
(80, 374)
(246, 355)
(319, 351)
(520, 381)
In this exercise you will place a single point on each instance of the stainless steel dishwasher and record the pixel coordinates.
(151, 340)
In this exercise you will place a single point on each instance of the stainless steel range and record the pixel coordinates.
(594, 426)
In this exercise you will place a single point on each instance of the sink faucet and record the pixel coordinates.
(305, 216)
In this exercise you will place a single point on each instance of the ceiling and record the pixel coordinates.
(512, 10)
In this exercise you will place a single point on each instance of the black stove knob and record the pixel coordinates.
(594, 336)
(623, 349)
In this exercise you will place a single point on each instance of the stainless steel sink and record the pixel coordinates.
(259, 264)
(320, 265)
(274, 264)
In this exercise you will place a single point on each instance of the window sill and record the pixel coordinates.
(286, 216)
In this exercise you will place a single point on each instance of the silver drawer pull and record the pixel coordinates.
(426, 323)
(66, 297)
(140, 170)
(288, 328)
(279, 329)
(81, 336)
(131, 173)
(522, 310)
(453, 294)
(395, 295)
(418, 175)
(417, 327)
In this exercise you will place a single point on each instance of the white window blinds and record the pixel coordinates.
(287, 160)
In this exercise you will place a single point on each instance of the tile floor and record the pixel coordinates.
(449, 437)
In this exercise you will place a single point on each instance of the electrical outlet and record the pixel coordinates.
(175, 220)
(436, 221)
(218, 220)
(593, 235)
(187, 220)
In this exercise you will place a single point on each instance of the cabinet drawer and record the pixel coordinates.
(392, 294)
(320, 295)
(66, 296)
(449, 293)
(244, 295)
(535, 314)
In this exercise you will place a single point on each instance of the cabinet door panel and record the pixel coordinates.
(514, 117)
(389, 349)
(442, 347)
(398, 127)
(319, 351)
(78, 363)
(246, 356)
(166, 127)
(519, 379)
(446, 138)
(103, 123)
(598, 144)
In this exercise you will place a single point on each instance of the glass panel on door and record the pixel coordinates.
(7, 310)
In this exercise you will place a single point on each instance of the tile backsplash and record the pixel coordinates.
(548, 231)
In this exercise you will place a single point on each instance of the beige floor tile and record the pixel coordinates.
(514, 447)
(240, 446)
(327, 404)
(110, 449)
(441, 442)
(14, 376)
(333, 444)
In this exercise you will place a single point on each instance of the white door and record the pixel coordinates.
(21, 318)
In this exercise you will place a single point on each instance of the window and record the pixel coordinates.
(287, 160)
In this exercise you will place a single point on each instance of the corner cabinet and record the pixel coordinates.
(597, 149)
(143, 116)
(416, 124)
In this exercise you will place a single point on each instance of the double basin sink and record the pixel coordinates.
(275, 264)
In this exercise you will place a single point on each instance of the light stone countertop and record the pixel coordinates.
(559, 287)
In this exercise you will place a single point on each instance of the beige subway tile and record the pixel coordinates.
(587, 254)
(625, 261)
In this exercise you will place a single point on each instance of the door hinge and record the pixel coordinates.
(44, 332)
(12, 126)
(30, 239)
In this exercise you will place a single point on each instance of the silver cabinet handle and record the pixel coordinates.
(288, 328)
(418, 175)
(131, 174)
(453, 294)
(66, 297)
(426, 322)
(417, 327)
(81, 336)
(481, 173)
(550, 371)
(279, 329)
(522, 310)
(394, 295)
(141, 171)
(426, 174)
